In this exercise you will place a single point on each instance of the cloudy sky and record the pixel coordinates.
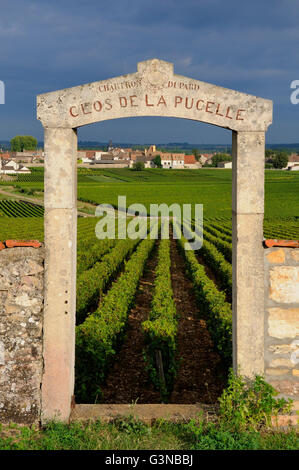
(249, 46)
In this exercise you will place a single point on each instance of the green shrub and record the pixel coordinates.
(246, 404)
(138, 166)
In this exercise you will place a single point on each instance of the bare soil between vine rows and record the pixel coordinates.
(128, 380)
(199, 378)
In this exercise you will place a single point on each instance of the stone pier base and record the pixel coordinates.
(282, 321)
(21, 323)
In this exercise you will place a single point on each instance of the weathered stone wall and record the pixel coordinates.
(21, 323)
(282, 321)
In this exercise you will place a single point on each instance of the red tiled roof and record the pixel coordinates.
(189, 159)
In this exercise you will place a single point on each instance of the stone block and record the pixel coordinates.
(271, 371)
(283, 323)
(285, 421)
(281, 362)
(295, 255)
(248, 154)
(60, 169)
(284, 284)
(276, 256)
(281, 348)
(295, 372)
(286, 387)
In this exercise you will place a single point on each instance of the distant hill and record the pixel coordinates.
(183, 146)
(170, 146)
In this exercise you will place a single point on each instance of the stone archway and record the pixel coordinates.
(154, 90)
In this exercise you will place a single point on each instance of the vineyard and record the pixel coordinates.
(132, 332)
(11, 208)
(154, 321)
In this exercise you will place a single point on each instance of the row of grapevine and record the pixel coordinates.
(161, 327)
(10, 208)
(223, 246)
(98, 336)
(88, 255)
(216, 261)
(221, 267)
(212, 303)
(286, 229)
(218, 233)
(37, 176)
(91, 283)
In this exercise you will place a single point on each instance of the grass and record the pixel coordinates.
(212, 188)
(131, 434)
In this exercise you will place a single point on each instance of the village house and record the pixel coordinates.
(191, 163)
(293, 163)
(5, 156)
(27, 154)
(172, 160)
(100, 155)
(120, 154)
(206, 158)
(12, 168)
(148, 161)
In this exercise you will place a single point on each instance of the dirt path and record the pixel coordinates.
(128, 380)
(39, 202)
(198, 379)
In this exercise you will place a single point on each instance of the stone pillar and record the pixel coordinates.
(60, 272)
(248, 152)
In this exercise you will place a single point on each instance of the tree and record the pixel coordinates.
(138, 166)
(220, 157)
(23, 142)
(280, 160)
(268, 153)
(157, 161)
(196, 154)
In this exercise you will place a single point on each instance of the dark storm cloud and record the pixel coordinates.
(251, 47)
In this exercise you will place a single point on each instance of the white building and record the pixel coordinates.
(175, 160)
(294, 167)
(86, 160)
(224, 165)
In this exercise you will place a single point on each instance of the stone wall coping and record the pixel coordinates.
(284, 243)
(20, 243)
